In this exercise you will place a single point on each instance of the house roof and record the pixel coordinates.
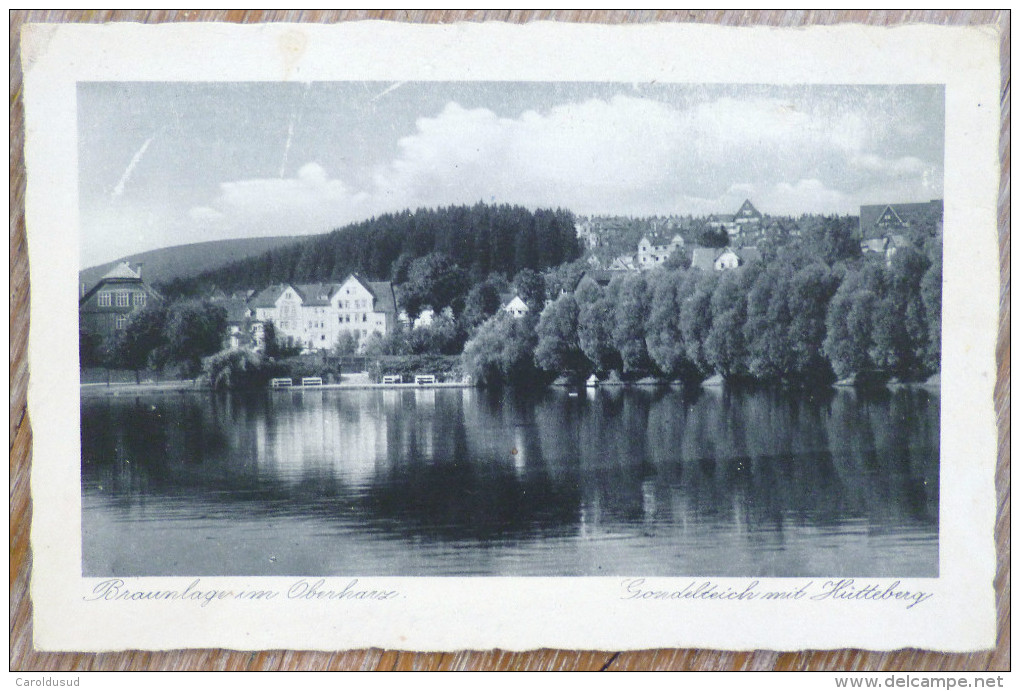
(515, 299)
(385, 299)
(122, 270)
(747, 210)
(600, 276)
(704, 257)
(904, 213)
(320, 294)
(121, 275)
(625, 262)
(367, 285)
(316, 294)
(237, 309)
(660, 238)
(267, 297)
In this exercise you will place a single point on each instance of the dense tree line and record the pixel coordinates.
(471, 242)
(813, 314)
(813, 310)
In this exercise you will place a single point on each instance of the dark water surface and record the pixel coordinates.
(469, 482)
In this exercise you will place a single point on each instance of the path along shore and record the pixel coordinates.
(188, 385)
(354, 383)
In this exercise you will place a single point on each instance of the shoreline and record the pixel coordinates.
(101, 389)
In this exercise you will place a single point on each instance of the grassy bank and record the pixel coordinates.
(445, 368)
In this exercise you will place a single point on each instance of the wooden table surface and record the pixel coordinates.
(24, 657)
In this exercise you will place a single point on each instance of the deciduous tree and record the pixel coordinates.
(558, 349)
(433, 281)
(631, 315)
(194, 329)
(145, 334)
(596, 308)
(664, 335)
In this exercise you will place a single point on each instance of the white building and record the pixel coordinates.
(710, 259)
(747, 219)
(654, 249)
(727, 260)
(586, 232)
(516, 308)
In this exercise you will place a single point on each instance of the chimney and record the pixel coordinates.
(81, 290)
(140, 265)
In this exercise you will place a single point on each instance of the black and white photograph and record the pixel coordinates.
(510, 329)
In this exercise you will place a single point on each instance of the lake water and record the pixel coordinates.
(465, 482)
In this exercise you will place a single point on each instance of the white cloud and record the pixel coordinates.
(621, 155)
(206, 217)
(803, 196)
(308, 203)
(731, 121)
(904, 165)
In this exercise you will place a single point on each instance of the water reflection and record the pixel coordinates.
(438, 482)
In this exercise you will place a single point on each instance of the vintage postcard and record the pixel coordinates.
(539, 336)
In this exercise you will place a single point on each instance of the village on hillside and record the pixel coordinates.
(357, 316)
(734, 239)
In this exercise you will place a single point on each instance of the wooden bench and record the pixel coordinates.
(424, 379)
(392, 379)
(311, 381)
(281, 383)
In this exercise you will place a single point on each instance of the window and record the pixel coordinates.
(140, 299)
(123, 299)
(121, 321)
(104, 299)
(364, 317)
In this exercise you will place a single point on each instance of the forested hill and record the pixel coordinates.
(480, 239)
(186, 261)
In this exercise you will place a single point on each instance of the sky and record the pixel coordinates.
(163, 163)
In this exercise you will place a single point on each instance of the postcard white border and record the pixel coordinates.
(516, 613)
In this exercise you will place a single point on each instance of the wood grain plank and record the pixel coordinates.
(24, 657)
